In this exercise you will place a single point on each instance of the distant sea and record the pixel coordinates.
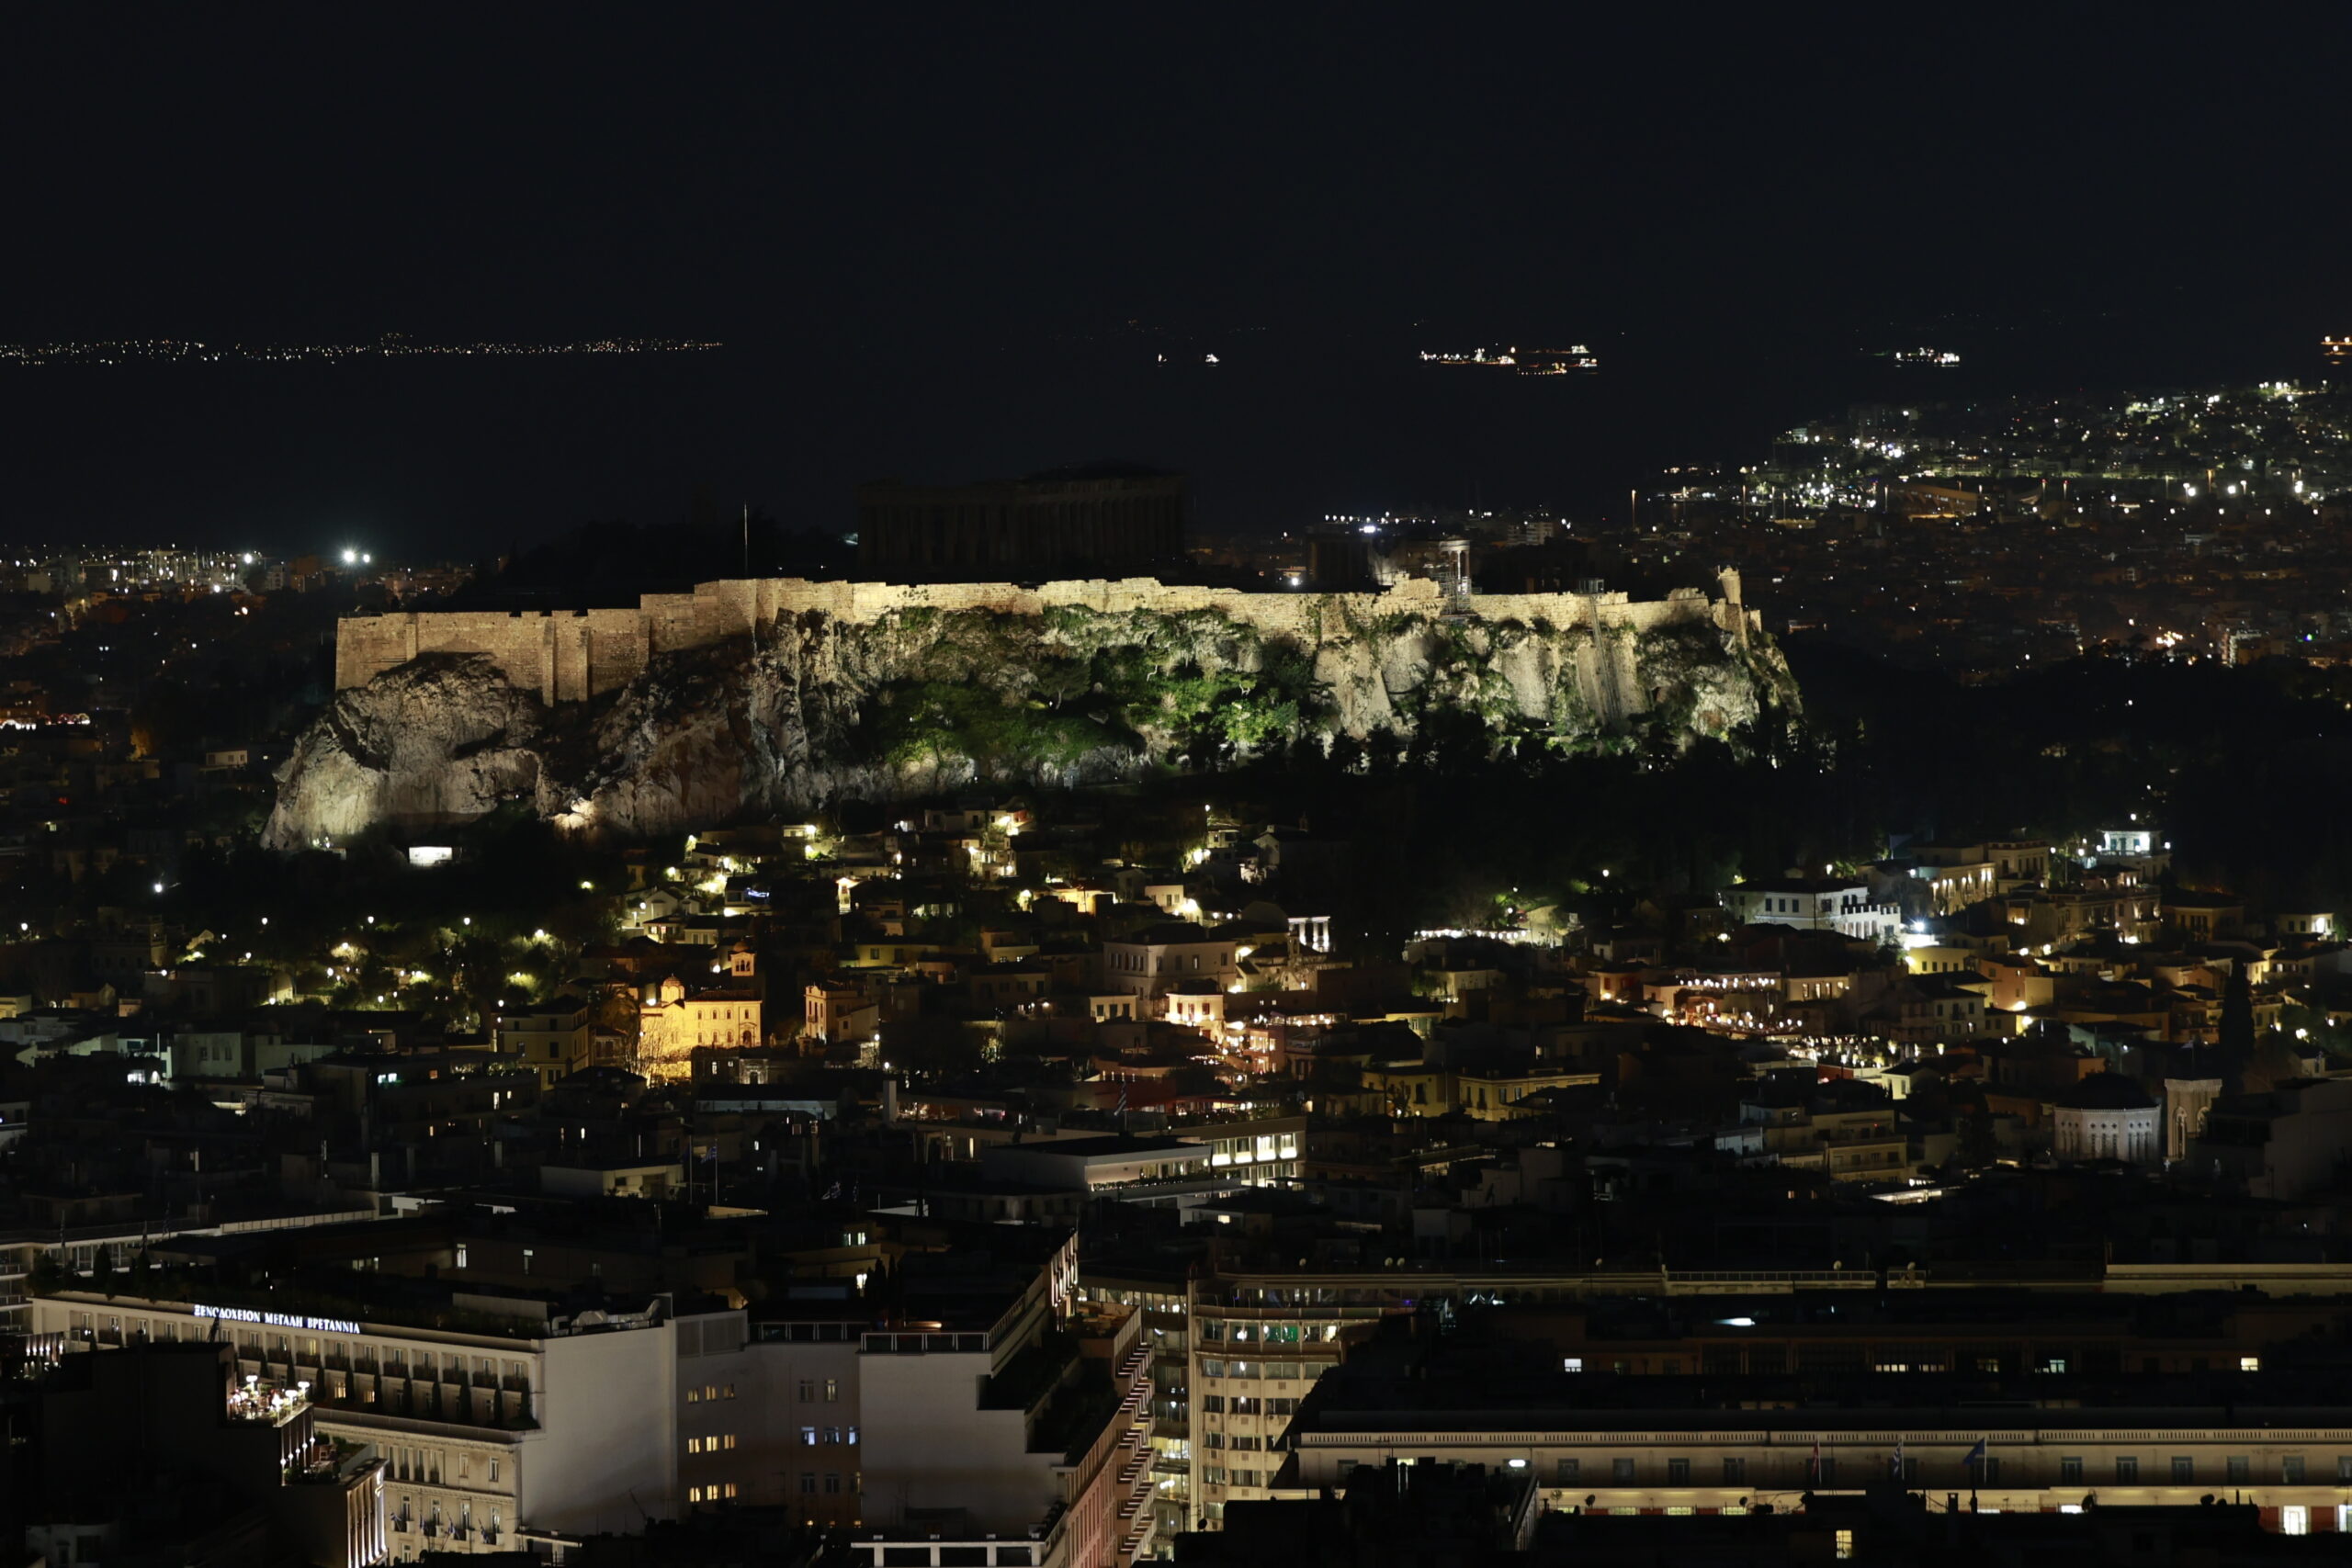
(460, 458)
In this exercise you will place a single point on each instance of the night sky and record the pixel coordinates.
(947, 242)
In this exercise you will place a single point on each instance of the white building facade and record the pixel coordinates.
(489, 1438)
(1815, 903)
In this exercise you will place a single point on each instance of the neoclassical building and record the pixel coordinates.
(2106, 1116)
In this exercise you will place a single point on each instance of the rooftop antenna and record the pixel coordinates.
(747, 538)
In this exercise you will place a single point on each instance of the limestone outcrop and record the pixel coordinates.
(442, 739)
(824, 701)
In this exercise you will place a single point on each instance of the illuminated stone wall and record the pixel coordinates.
(568, 656)
(762, 696)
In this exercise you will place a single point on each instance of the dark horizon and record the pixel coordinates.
(922, 238)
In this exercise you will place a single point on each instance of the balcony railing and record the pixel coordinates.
(923, 1343)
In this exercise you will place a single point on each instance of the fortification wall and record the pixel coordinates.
(569, 656)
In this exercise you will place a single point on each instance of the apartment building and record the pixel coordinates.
(1049, 1453)
(1827, 904)
(554, 1039)
(1161, 958)
(1157, 1295)
(1255, 1349)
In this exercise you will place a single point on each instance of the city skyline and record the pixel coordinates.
(1075, 787)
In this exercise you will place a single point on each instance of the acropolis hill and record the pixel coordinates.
(757, 696)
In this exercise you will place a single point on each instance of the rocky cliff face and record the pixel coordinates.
(818, 708)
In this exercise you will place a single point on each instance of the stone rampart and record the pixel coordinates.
(569, 656)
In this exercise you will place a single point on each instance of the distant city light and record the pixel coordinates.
(393, 345)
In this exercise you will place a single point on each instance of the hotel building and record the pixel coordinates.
(978, 1405)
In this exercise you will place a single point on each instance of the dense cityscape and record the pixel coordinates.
(1278, 790)
(441, 1140)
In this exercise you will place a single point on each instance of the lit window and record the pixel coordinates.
(2249, 1363)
